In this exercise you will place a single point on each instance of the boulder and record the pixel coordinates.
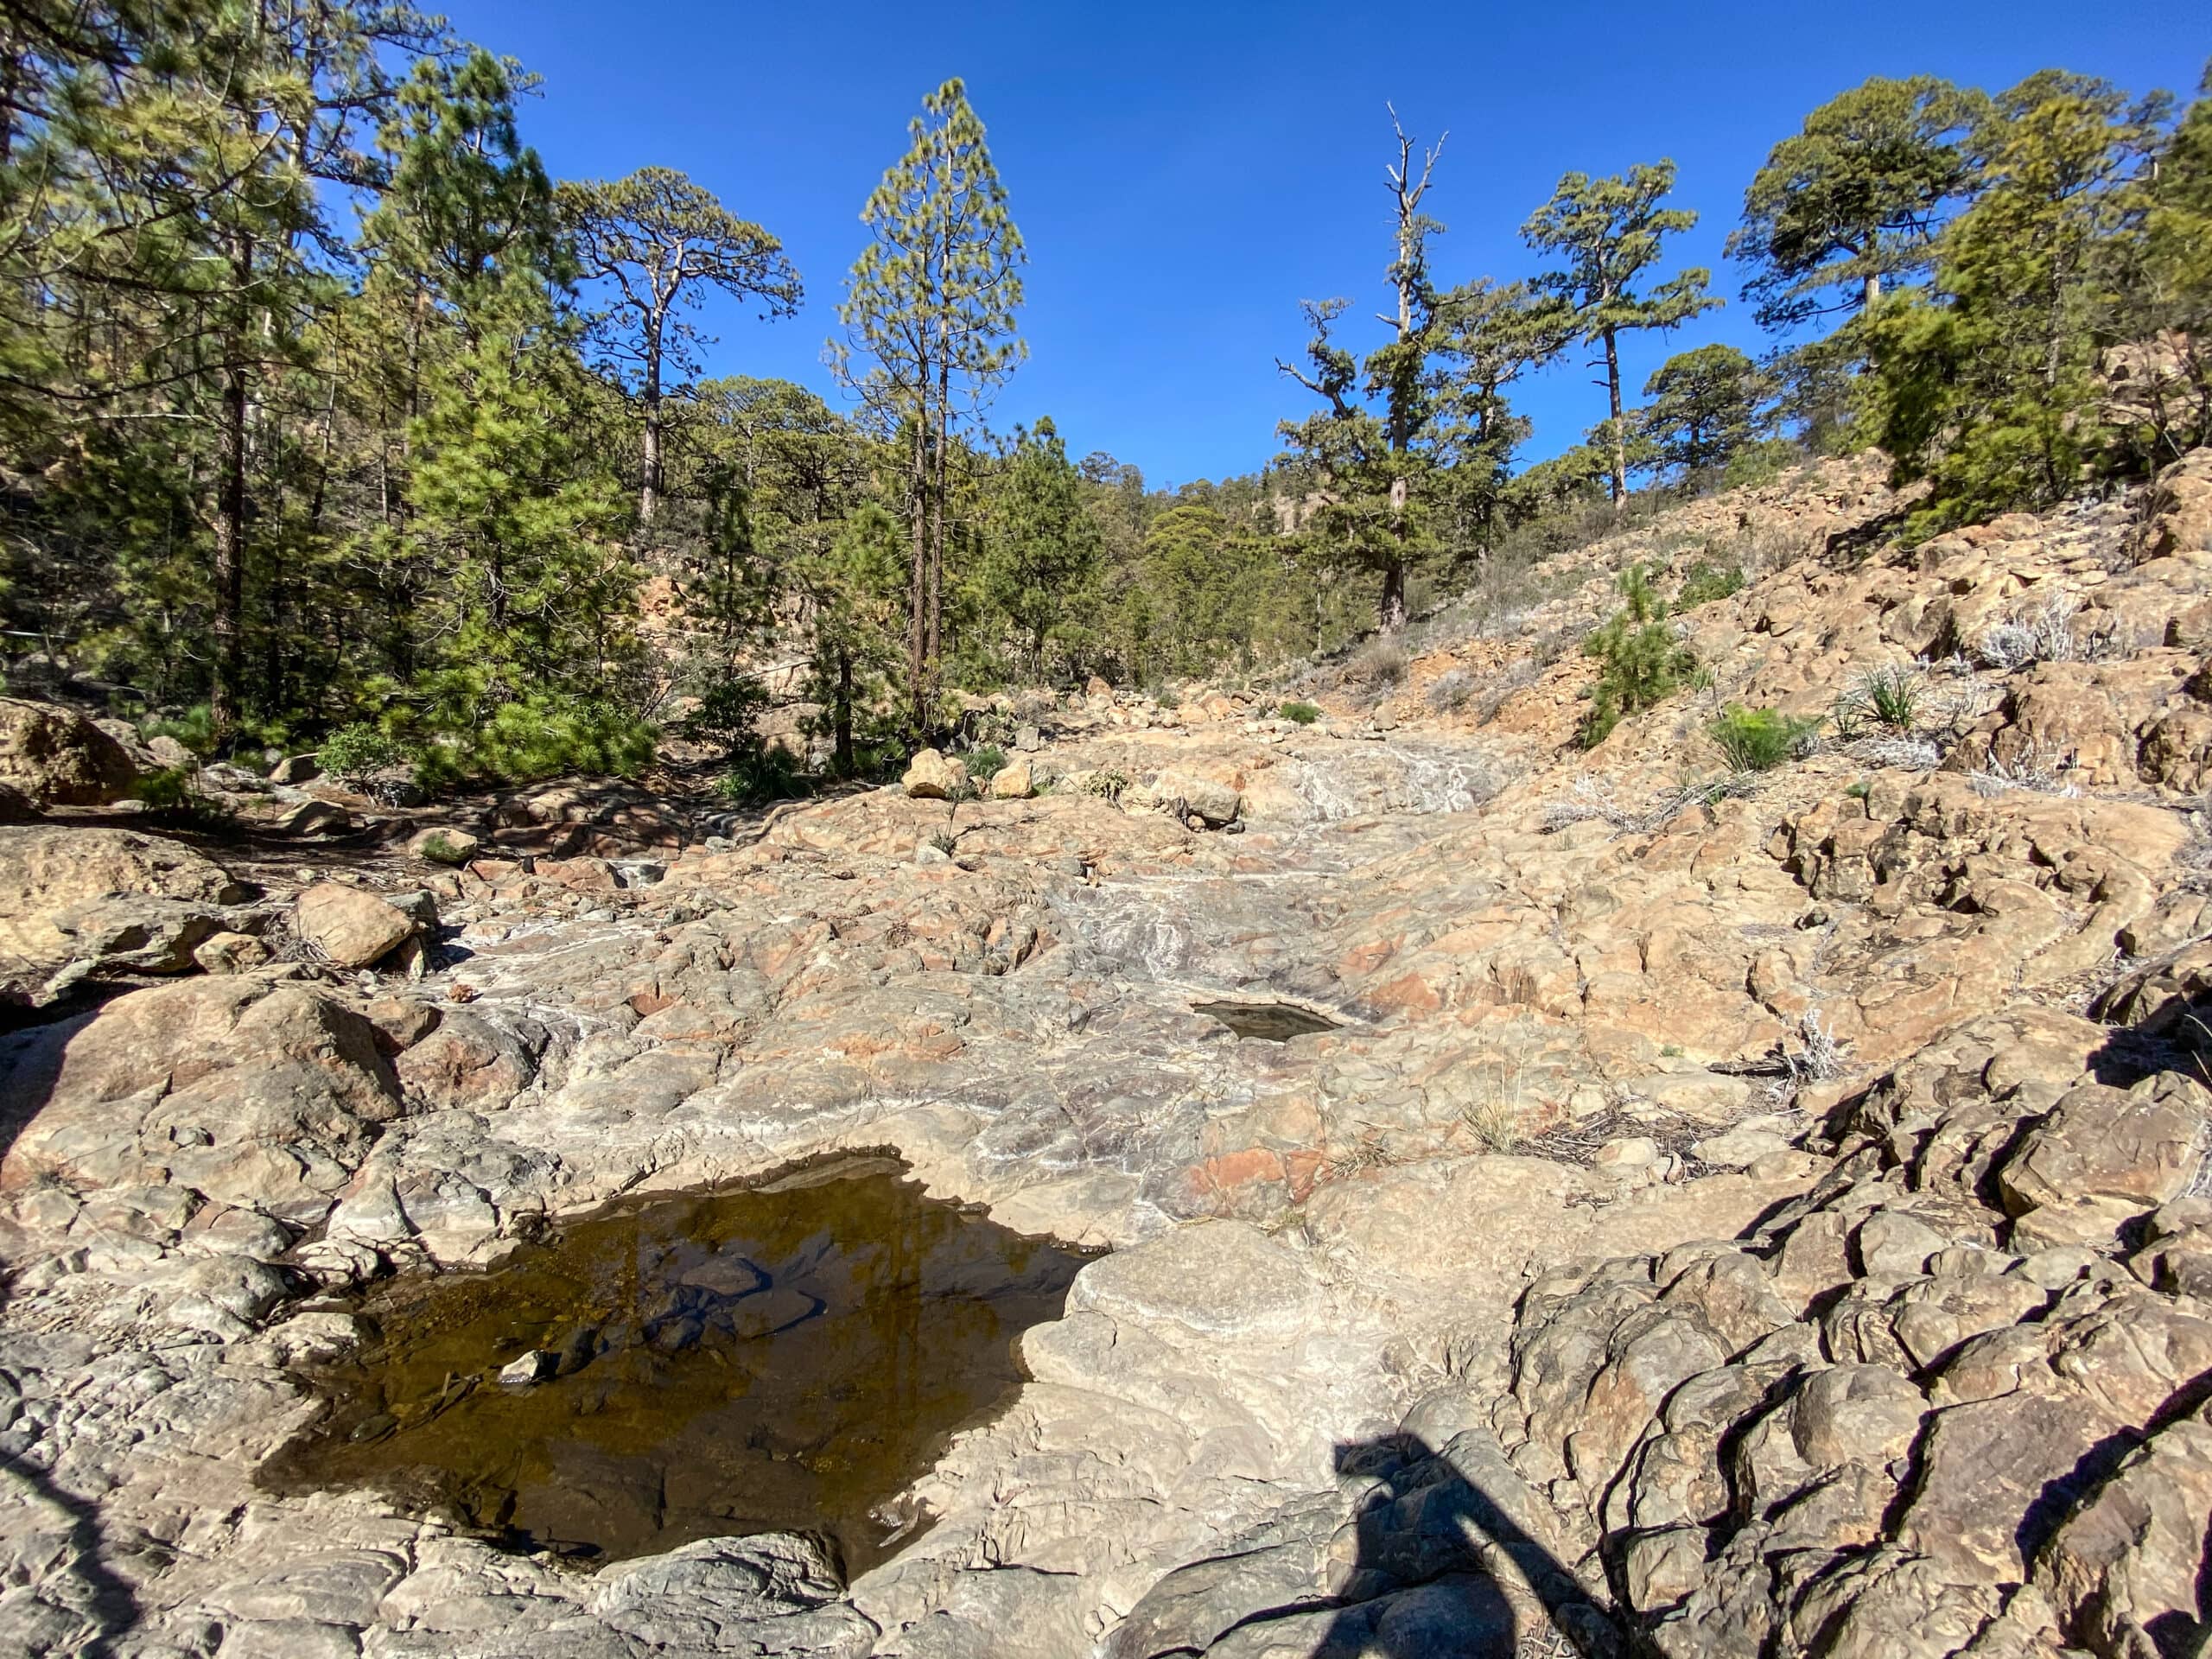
(15, 807)
(931, 776)
(352, 928)
(108, 899)
(1215, 804)
(295, 769)
(58, 758)
(2178, 511)
(168, 753)
(444, 844)
(259, 1095)
(314, 818)
(230, 953)
(1013, 782)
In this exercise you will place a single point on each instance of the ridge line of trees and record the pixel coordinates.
(323, 407)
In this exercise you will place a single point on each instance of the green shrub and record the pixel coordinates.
(1305, 714)
(167, 789)
(1641, 661)
(543, 735)
(1890, 696)
(357, 750)
(760, 773)
(725, 714)
(1108, 783)
(1758, 740)
(195, 729)
(1761, 462)
(1706, 582)
(985, 762)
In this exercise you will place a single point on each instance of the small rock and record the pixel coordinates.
(1630, 1152)
(531, 1369)
(1738, 1148)
(230, 953)
(1013, 782)
(419, 907)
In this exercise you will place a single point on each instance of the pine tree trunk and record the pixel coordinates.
(937, 537)
(1870, 290)
(649, 489)
(841, 717)
(1392, 608)
(1619, 435)
(224, 685)
(917, 577)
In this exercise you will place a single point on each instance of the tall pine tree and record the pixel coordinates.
(929, 316)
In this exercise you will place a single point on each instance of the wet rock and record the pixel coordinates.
(531, 1368)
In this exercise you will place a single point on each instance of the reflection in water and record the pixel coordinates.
(785, 1357)
(1273, 1022)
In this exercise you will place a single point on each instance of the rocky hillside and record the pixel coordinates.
(1731, 1213)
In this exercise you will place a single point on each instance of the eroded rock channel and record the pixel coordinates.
(1738, 1215)
(789, 1355)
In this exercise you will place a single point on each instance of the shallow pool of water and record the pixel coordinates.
(789, 1356)
(1273, 1022)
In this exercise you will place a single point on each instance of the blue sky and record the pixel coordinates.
(1184, 175)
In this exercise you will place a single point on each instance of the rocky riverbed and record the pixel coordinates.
(1724, 1215)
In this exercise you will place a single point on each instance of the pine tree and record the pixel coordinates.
(1856, 198)
(1383, 455)
(1704, 408)
(1985, 386)
(856, 590)
(929, 316)
(1608, 232)
(1042, 545)
(657, 239)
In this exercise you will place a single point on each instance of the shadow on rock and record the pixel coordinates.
(1444, 1556)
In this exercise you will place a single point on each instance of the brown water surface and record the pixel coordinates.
(1272, 1022)
(783, 1357)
